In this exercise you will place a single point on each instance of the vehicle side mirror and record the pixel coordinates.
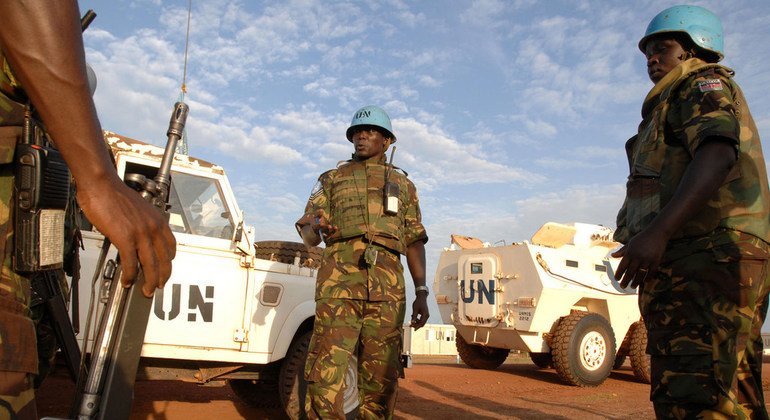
(238, 232)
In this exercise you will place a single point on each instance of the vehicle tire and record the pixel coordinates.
(285, 252)
(542, 360)
(293, 387)
(259, 393)
(619, 360)
(640, 360)
(583, 349)
(480, 357)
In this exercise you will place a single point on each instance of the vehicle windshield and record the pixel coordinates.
(197, 207)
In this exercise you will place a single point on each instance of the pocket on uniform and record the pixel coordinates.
(9, 137)
(312, 371)
(682, 365)
(326, 363)
(18, 352)
(643, 202)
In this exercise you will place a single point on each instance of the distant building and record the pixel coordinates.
(766, 343)
(432, 339)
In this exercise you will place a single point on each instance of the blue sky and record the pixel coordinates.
(508, 114)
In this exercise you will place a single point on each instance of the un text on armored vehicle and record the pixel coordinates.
(554, 297)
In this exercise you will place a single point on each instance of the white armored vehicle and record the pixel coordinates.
(233, 309)
(554, 297)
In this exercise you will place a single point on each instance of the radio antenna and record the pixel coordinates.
(183, 148)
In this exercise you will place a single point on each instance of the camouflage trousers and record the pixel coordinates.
(370, 330)
(704, 313)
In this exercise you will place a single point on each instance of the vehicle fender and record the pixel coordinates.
(300, 314)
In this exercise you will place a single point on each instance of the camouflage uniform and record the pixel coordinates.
(18, 349)
(359, 308)
(705, 307)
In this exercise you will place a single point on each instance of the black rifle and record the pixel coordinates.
(107, 391)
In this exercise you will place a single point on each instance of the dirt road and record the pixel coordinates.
(430, 391)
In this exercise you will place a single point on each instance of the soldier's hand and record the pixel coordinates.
(420, 313)
(136, 228)
(322, 225)
(640, 258)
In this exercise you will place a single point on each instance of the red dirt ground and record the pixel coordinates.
(430, 391)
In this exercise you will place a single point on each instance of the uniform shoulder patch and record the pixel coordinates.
(317, 190)
(709, 85)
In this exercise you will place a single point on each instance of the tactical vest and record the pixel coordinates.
(356, 204)
(657, 169)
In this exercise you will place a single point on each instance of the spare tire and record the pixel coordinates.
(286, 252)
(480, 357)
(640, 360)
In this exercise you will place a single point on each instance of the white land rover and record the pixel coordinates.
(233, 309)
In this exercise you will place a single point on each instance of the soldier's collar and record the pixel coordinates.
(374, 159)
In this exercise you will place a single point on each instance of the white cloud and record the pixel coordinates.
(483, 13)
(428, 81)
(435, 158)
(588, 158)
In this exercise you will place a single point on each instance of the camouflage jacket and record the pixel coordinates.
(351, 198)
(693, 102)
(12, 99)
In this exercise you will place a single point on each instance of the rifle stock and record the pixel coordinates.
(108, 387)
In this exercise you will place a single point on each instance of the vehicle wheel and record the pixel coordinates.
(259, 393)
(480, 357)
(640, 360)
(583, 349)
(619, 360)
(542, 360)
(293, 387)
(285, 252)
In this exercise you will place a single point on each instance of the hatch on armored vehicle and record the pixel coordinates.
(554, 297)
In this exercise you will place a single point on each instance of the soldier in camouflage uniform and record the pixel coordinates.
(695, 225)
(367, 212)
(43, 63)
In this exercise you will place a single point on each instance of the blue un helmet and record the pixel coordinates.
(702, 26)
(374, 116)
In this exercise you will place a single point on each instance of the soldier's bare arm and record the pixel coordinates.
(704, 175)
(415, 260)
(44, 47)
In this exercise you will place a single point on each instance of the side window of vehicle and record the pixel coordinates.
(197, 207)
(196, 204)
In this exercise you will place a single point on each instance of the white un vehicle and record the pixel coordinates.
(233, 309)
(555, 297)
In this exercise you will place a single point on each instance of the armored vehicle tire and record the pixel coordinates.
(285, 252)
(293, 387)
(583, 349)
(259, 393)
(619, 360)
(640, 360)
(480, 357)
(542, 360)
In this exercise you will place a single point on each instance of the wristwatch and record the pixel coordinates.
(421, 289)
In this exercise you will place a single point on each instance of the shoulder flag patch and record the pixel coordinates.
(709, 85)
(317, 190)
